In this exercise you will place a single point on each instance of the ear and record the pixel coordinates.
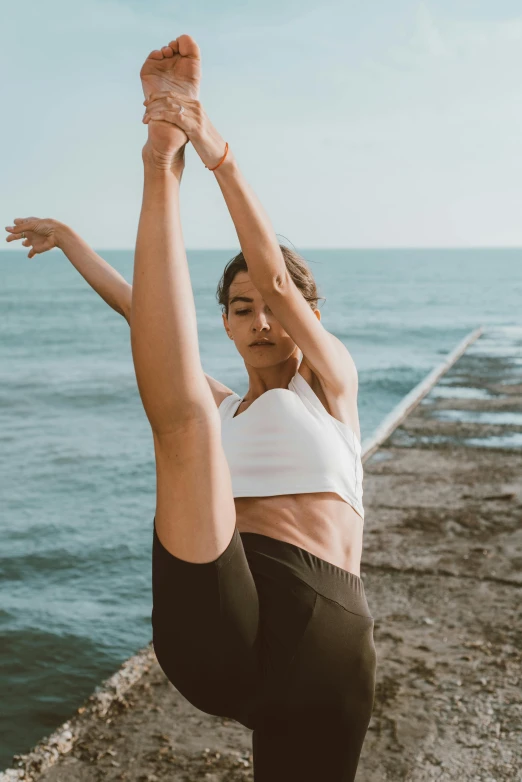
(225, 323)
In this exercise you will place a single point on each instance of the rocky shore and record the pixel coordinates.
(442, 569)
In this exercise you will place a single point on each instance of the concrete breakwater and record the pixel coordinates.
(442, 568)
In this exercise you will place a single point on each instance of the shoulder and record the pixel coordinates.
(219, 390)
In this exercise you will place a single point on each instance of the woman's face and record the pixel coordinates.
(249, 320)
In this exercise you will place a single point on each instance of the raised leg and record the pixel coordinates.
(195, 512)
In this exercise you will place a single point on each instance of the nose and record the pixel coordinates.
(260, 322)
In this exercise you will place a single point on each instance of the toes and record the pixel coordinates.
(155, 55)
(167, 51)
(188, 47)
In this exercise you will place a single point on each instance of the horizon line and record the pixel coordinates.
(305, 249)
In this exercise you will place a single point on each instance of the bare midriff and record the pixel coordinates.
(320, 522)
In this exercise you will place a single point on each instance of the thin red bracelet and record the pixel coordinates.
(222, 159)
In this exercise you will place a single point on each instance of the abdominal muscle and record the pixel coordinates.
(319, 522)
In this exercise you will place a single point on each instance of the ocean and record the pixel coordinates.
(77, 477)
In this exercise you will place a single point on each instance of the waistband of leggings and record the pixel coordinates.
(327, 579)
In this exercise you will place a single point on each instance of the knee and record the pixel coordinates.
(194, 676)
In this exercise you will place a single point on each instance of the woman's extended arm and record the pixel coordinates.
(255, 232)
(109, 283)
(43, 234)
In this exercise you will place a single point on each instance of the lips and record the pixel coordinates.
(260, 344)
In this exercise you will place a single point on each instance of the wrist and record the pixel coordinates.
(210, 146)
(228, 166)
(62, 232)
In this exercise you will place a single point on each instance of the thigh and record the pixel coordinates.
(195, 511)
(315, 725)
(205, 621)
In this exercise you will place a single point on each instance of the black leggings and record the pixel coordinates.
(272, 636)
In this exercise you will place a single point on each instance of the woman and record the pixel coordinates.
(259, 612)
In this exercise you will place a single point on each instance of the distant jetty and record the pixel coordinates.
(442, 569)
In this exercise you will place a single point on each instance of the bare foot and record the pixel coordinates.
(174, 67)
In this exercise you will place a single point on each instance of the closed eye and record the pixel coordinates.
(243, 312)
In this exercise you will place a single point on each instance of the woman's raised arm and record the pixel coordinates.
(255, 232)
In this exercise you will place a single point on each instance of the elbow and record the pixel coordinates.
(269, 274)
(271, 284)
(125, 310)
(125, 306)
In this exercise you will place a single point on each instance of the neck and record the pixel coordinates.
(278, 376)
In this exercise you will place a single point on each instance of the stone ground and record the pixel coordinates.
(442, 573)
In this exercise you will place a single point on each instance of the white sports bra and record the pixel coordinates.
(286, 442)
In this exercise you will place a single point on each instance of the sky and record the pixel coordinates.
(390, 123)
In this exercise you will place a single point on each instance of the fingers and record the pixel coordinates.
(166, 116)
(26, 243)
(172, 101)
(31, 228)
(21, 224)
(166, 106)
(15, 237)
(175, 96)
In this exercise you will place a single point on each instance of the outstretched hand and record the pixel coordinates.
(174, 109)
(40, 233)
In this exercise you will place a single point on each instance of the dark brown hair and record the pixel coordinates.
(297, 268)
